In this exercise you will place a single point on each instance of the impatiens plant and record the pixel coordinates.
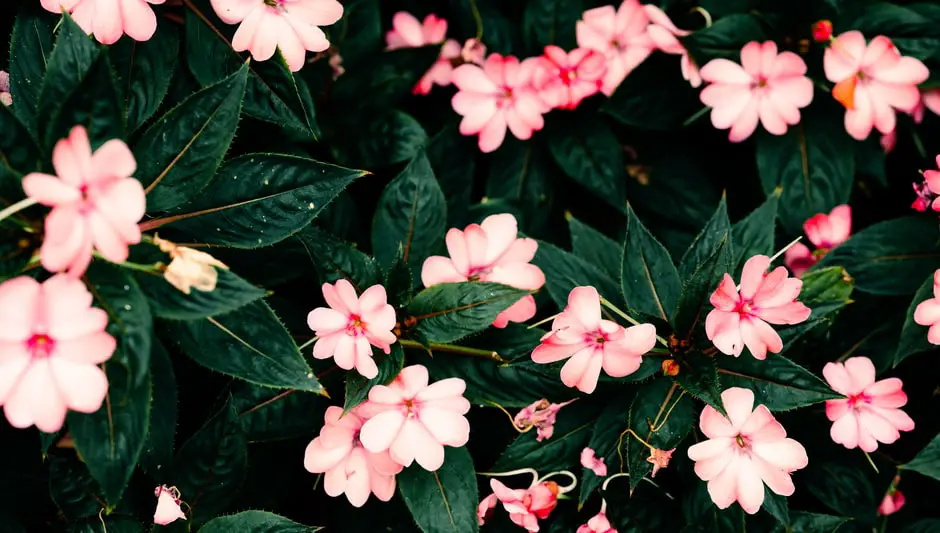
(564, 266)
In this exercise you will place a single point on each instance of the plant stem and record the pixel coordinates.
(450, 348)
(18, 206)
(308, 343)
(150, 269)
(606, 303)
(785, 248)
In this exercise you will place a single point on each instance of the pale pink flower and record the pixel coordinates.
(473, 51)
(620, 34)
(51, 343)
(872, 81)
(597, 524)
(490, 251)
(665, 36)
(485, 509)
(168, 506)
(593, 463)
(527, 506)
(766, 87)
(407, 32)
(825, 232)
(659, 459)
(414, 420)
(497, 96)
(871, 412)
(5, 97)
(351, 325)
(745, 451)
(564, 79)
(541, 415)
(293, 26)
(892, 503)
(927, 312)
(109, 19)
(592, 343)
(95, 202)
(349, 468)
(741, 319)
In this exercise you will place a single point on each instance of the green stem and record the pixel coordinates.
(150, 269)
(477, 19)
(308, 343)
(628, 318)
(919, 144)
(18, 206)
(698, 114)
(450, 348)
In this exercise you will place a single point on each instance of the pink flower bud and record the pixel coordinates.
(822, 31)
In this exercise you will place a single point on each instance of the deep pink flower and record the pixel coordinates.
(593, 463)
(927, 312)
(490, 251)
(892, 503)
(293, 26)
(351, 325)
(95, 202)
(871, 81)
(620, 34)
(925, 199)
(871, 412)
(597, 524)
(168, 506)
(592, 343)
(526, 507)
(485, 509)
(740, 319)
(540, 414)
(109, 19)
(497, 96)
(659, 459)
(348, 467)
(745, 451)
(822, 31)
(407, 32)
(932, 183)
(825, 232)
(766, 87)
(414, 420)
(564, 79)
(51, 343)
(665, 36)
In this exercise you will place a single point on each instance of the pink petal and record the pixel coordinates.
(324, 321)
(723, 488)
(785, 454)
(739, 404)
(862, 372)
(416, 444)
(845, 431)
(582, 371)
(447, 427)
(380, 431)
(750, 493)
(90, 350)
(714, 425)
(584, 305)
(19, 301)
(726, 72)
(36, 400)
(760, 338)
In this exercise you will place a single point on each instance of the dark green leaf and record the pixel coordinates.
(161, 437)
(522, 172)
(698, 376)
(271, 414)
(803, 522)
(547, 22)
(606, 443)
(94, 103)
(399, 281)
(562, 451)
(166, 301)
(382, 80)
(359, 32)
(777, 382)
(910, 28)
(72, 488)
(565, 271)
(595, 247)
(649, 279)
(927, 462)
(179, 153)
(648, 412)
(590, 154)
(145, 69)
(926, 525)
(653, 97)
(335, 259)
(845, 490)
(114, 524)
(390, 365)
(30, 48)
(381, 141)
(913, 335)
(446, 500)
(450, 311)
(18, 151)
(693, 304)
(777, 506)
(715, 234)
(453, 158)
(255, 522)
(724, 38)
(754, 234)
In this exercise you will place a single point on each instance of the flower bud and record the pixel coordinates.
(822, 31)
(670, 367)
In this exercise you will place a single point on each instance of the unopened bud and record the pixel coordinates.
(822, 31)
(670, 367)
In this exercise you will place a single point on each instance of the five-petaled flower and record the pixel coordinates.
(109, 19)
(618, 33)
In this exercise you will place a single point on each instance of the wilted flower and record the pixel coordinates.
(620, 34)
(527, 506)
(659, 459)
(541, 415)
(825, 232)
(670, 367)
(168, 506)
(892, 502)
(190, 269)
(665, 35)
(597, 524)
(407, 32)
(564, 79)
(485, 509)
(593, 463)
(109, 19)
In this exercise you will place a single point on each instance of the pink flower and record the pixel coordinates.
(414, 420)
(591, 343)
(825, 232)
(766, 86)
(595, 464)
(927, 312)
(541, 415)
(659, 459)
(740, 320)
(95, 202)
(351, 325)
(109, 19)
(892, 503)
(871, 81)
(497, 96)
(932, 184)
(925, 198)
(527, 507)
(745, 451)
(930, 98)
(289, 25)
(490, 251)
(564, 79)
(407, 32)
(348, 467)
(822, 31)
(664, 35)
(871, 412)
(597, 524)
(473, 51)
(619, 34)
(168, 506)
(485, 509)
(51, 342)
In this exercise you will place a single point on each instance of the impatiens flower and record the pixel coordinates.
(822, 31)
(619, 34)
(927, 312)
(5, 97)
(541, 415)
(745, 451)
(497, 96)
(527, 507)
(926, 199)
(490, 251)
(597, 524)
(564, 79)
(871, 412)
(930, 188)
(348, 467)
(190, 269)
(595, 464)
(293, 26)
(485, 509)
(766, 87)
(592, 343)
(109, 19)
(51, 343)
(168, 506)
(872, 81)
(665, 36)
(407, 32)
(741, 319)
(825, 232)
(95, 202)
(473, 51)
(351, 325)
(892, 503)
(659, 459)
(414, 420)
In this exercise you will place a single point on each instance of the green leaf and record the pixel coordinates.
(803, 522)
(411, 214)
(698, 376)
(595, 247)
(72, 488)
(777, 382)
(927, 462)
(453, 159)
(724, 38)
(145, 68)
(825, 290)
(754, 234)
(359, 32)
(30, 48)
(776, 506)
(382, 80)
(114, 524)
(714, 235)
(814, 163)
(399, 281)
(914, 336)
(926, 525)
(658, 405)
(390, 365)
(522, 172)
(178, 155)
(380, 141)
(547, 22)
(94, 103)
(881, 263)
(255, 522)
(18, 151)
(110, 440)
(445, 500)
(573, 427)
(166, 301)
(910, 28)
(694, 303)
(271, 414)
(653, 97)
(565, 271)
(212, 464)
(335, 259)
(590, 154)
(249, 343)
(157, 453)
(649, 279)
(259, 199)
(846, 490)
(450, 311)
(605, 441)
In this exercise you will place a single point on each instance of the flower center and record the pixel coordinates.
(745, 307)
(761, 82)
(40, 345)
(857, 400)
(597, 338)
(568, 75)
(741, 441)
(411, 406)
(476, 273)
(355, 325)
